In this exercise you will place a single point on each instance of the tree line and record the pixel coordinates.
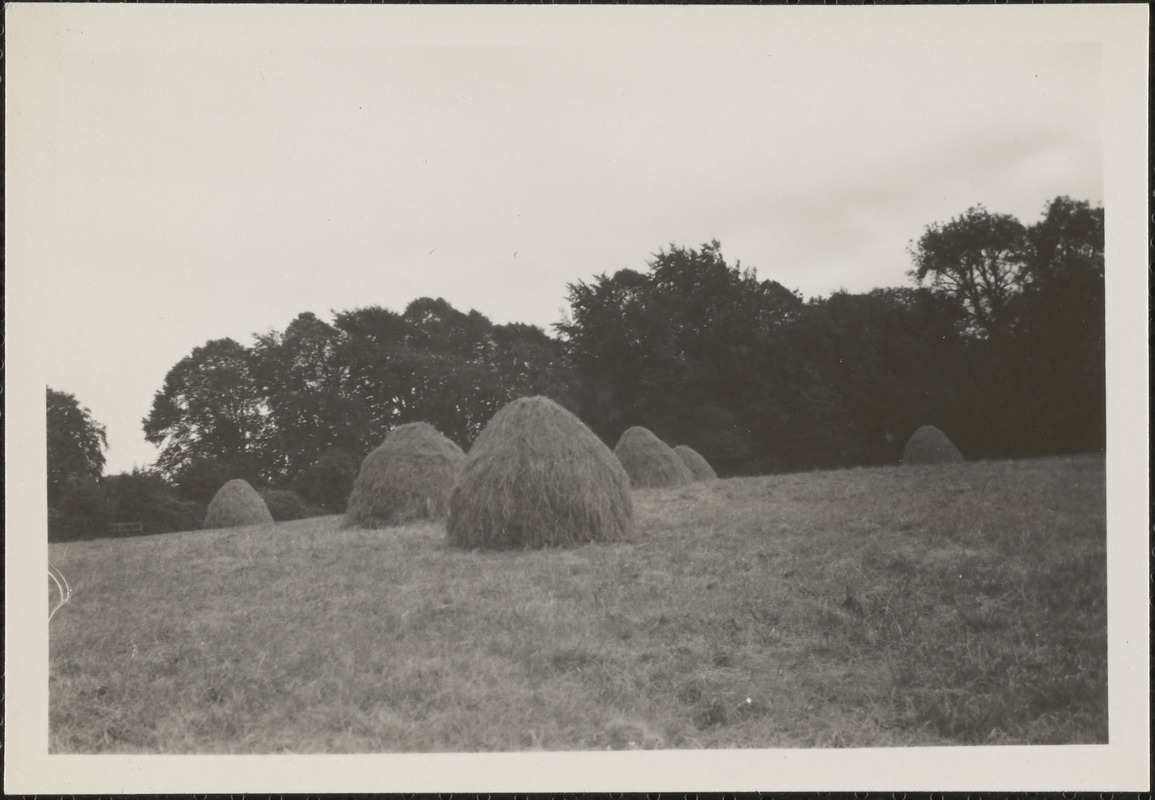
(999, 341)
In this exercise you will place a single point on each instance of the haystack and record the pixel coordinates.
(236, 504)
(929, 445)
(649, 461)
(407, 478)
(538, 477)
(699, 467)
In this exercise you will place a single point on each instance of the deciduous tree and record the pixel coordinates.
(302, 380)
(211, 407)
(979, 258)
(76, 443)
(691, 349)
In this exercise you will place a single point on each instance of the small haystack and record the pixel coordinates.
(538, 477)
(237, 504)
(699, 467)
(929, 445)
(407, 478)
(649, 461)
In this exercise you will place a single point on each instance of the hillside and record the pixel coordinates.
(960, 604)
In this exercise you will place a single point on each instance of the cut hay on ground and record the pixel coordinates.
(407, 478)
(929, 445)
(237, 504)
(699, 467)
(649, 461)
(538, 477)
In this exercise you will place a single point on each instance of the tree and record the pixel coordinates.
(302, 381)
(144, 496)
(326, 482)
(211, 407)
(526, 362)
(81, 510)
(619, 340)
(435, 364)
(369, 347)
(1034, 365)
(893, 359)
(691, 349)
(979, 258)
(447, 383)
(76, 443)
(1062, 329)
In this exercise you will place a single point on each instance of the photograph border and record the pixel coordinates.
(1121, 765)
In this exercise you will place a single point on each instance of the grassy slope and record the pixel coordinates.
(956, 604)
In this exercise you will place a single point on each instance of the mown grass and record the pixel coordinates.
(962, 604)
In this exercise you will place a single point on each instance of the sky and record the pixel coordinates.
(190, 178)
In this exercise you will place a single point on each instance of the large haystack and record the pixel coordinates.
(237, 504)
(699, 467)
(538, 477)
(929, 445)
(649, 461)
(407, 478)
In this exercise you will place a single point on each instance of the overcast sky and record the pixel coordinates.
(193, 179)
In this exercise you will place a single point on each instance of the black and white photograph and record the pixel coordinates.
(556, 397)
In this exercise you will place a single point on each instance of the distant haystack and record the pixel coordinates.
(699, 467)
(237, 504)
(649, 461)
(929, 445)
(407, 478)
(538, 477)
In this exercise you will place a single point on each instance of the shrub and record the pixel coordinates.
(82, 511)
(146, 498)
(237, 504)
(699, 467)
(407, 478)
(202, 478)
(929, 445)
(328, 481)
(170, 514)
(536, 477)
(285, 505)
(649, 461)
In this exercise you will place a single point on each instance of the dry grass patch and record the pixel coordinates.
(538, 477)
(699, 467)
(407, 478)
(235, 505)
(959, 604)
(929, 445)
(649, 461)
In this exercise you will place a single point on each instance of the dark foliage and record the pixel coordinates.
(200, 478)
(211, 407)
(326, 482)
(269, 413)
(146, 498)
(82, 511)
(286, 505)
(76, 443)
(694, 349)
(1001, 343)
(1034, 382)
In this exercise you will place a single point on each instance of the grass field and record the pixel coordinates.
(962, 604)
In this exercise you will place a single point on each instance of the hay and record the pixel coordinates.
(538, 477)
(407, 478)
(699, 467)
(929, 445)
(237, 504)
(649, 461)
